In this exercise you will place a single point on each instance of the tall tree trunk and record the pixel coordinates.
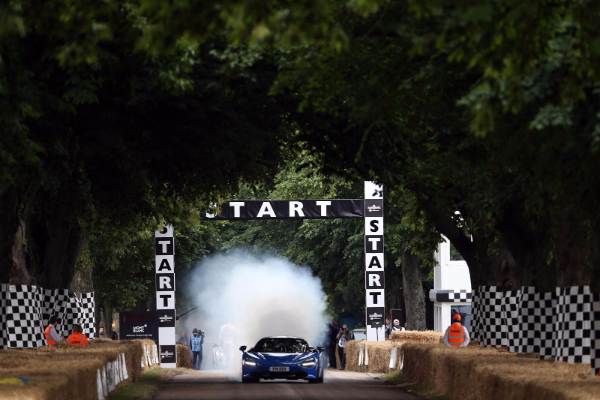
(414, 298)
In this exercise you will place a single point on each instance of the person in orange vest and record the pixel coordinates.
(456, 335)
(50, 332)
(77, 338)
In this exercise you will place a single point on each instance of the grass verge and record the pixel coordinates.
(395, 378)
(147, 385)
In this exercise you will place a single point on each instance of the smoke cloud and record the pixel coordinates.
(260, 295)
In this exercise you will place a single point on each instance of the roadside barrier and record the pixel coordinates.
(563, 325)
(90, 372)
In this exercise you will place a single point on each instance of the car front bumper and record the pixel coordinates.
(295, 372)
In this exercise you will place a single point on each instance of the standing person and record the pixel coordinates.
(77, 338)
(343, 337)
(227, 338)
(183, 339)
(51, 335)
(396, 326)
(456, 335)
(331, 349)
(387, 328)
(196, 345)
(101, 334)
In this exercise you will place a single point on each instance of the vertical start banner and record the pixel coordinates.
(165, 295)
(374, 266)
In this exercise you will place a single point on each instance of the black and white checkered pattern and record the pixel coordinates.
(545, 304)
(595, 350)
(453, 296)
(529, 329)
(510, 311)
(573, 324)
(25, 311)
(494, 332)
(3, 341)
(474, 334)
(88, 315)
(23, 306)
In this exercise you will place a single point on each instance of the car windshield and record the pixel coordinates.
(281, 345)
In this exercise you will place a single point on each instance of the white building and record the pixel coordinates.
(451, 287)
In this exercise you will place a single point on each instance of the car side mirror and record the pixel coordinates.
(242, 348)
(320, 348)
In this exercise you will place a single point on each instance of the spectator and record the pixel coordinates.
(101, 334)
(396, 326)
(343, 337)
(227, 339)
(456, 335)
(196, 345)
(77, 338)
(387, 328)
(51, 335)
(406, 326)
(183, 339)
(332, 344)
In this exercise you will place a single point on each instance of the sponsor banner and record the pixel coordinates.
(288, 209)
(168, 354)
(166, 318)
(376, 317)
(138, 325)
(373, 208)
(375, 298)
(374, 262)
(374, 280)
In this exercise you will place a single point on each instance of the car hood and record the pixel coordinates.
(283, 358)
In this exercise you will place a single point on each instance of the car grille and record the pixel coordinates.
(279, 375)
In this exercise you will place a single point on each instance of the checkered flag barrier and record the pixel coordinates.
(88, 315)
(545, 304)
(529, 332)
(574, 324)
(595, 350)
(475, 316)
(3, 291)
(510, 311)
(25, 311)
(493, 332)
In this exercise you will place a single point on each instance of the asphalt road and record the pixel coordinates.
(221, 385)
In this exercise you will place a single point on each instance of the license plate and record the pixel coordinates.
(279, 369)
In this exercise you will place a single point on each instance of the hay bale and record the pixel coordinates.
(379, 355)
(183, 356)
(63, 371)
(417, 336)
(483, 373)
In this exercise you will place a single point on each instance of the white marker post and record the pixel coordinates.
(165, 295)
(374, 267)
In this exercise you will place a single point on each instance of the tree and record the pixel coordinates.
(101, 135)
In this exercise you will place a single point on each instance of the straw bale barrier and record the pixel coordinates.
(417, 336)
(381, 357)
(183, 356)
(61, 371)
(473, 372)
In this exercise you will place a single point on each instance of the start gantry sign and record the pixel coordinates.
(165, 295)
(370, 208)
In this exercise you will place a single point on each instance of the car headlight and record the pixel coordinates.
(308, 363)
(248, 362)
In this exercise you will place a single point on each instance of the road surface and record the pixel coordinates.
(338, 385)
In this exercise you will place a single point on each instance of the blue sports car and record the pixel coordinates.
(283, 357)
